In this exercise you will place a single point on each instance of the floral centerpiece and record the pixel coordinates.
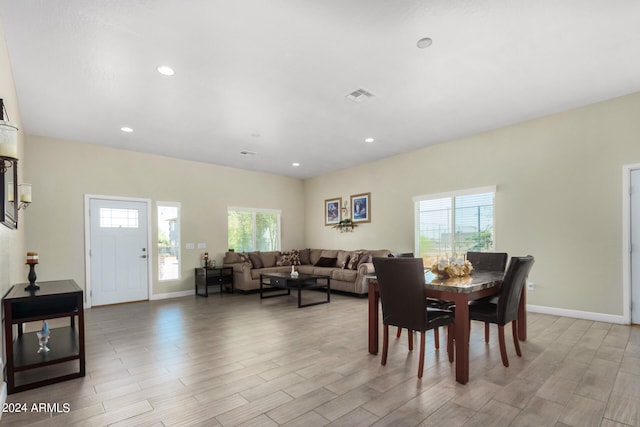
(345, 225)
(452, 267)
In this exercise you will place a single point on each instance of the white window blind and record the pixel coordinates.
(454, 223)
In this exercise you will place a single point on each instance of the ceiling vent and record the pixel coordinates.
(359, 96)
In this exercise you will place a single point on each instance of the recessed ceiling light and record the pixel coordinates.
(126, 129)
(295, 164)
(369, 140)
(424, 42)
(165, 70)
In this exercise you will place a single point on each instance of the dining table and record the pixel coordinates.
(459, 290)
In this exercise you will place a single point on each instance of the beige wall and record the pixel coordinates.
(12, 242)
(559, 198)
(62, 172)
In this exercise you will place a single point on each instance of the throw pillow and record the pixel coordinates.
(343, 259)
(245, 258)
(283, 259)
(231, 258)
(345, 263)
(305, 255)
(295, 257)
(326, 262)
(365, 257)
(353, 260)
(256, 260)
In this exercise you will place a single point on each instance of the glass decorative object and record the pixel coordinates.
(43, 338)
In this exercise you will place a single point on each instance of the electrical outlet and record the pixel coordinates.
(531, 286)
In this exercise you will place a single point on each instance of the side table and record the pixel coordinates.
(213, 276)
(26, 368)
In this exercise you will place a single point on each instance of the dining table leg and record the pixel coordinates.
(462, 338)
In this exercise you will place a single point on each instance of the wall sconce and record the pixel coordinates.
(344, 209)
(24, 191)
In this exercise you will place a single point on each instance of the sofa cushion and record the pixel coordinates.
(255, 273)
(256, 261)
(326, 262)
(343, 259)
(344, 275)
(231, 258)
(314, 255)
(269, 258)
(329, 253)
(323, 271)
(380, 253)
(304, 256)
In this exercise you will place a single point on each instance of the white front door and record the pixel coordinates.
(635, 246)
(119, 254)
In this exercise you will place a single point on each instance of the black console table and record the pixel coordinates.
(26, 368)
(213, 276)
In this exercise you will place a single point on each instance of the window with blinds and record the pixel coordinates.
(454, 223)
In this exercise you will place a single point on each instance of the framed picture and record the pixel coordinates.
(332, 211)
(361, 207)
(9, 193)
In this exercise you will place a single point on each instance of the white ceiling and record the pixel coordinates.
(272, 76)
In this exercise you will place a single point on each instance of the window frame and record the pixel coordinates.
(452, 195)
(178, 231)
(254, 211)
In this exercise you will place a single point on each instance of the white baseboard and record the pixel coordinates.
(172, 295)
(587, 315)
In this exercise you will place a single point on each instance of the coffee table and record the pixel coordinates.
(302, 281)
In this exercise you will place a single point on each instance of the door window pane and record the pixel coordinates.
(118, 218)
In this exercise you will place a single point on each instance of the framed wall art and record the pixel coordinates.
(332, 211)
(361, 207)
(9, 193)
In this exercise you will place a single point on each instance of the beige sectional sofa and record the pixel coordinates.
(346, 268)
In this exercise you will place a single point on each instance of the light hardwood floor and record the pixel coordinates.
(237, 360)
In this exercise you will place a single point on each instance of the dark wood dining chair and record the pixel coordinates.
(402, 295)
(488, 261)
(504, 308)
(432, 302)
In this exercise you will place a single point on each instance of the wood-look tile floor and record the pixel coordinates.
(237, 360)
